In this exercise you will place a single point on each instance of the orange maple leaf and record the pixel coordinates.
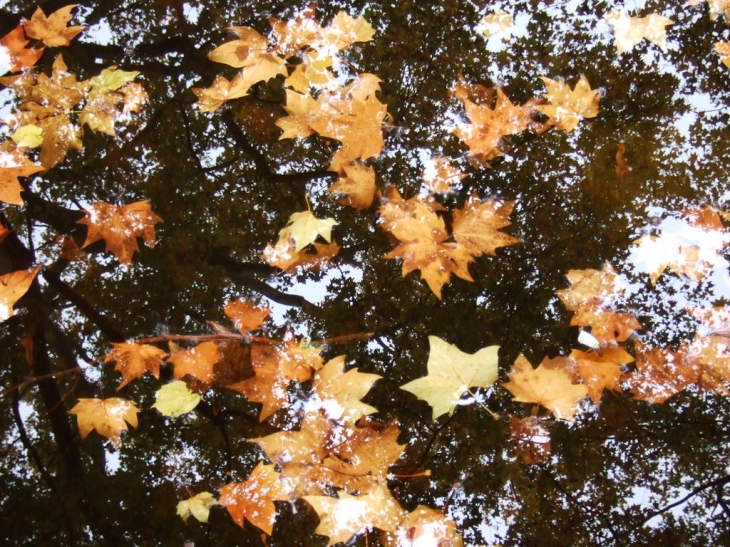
(476, 226)
(133, 360)
(120, 226)
(599, 369)
(13, 286)
(364, 454)
(661, 373)
(488, 125)
(109, 417)
(549, 385)
(19, 57)
(357, 183)
(212, 98)
(269, 386)
(52, 30)
(246, 315)
(13, 164)
(254, 498)
(198, 362)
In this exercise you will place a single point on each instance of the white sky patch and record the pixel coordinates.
(192, 13)
(100, 33)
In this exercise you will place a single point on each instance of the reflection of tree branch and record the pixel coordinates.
(262, 166)
(717, 484)
(83, 305)
(242, 272)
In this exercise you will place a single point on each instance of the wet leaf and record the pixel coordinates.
(109, 417)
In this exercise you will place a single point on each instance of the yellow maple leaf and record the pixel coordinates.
(175, 399)
(549, 385)
(424, 526)
(120, 226)
(133, 360)
(198, 506)
(629, 31)
(451, 373)
(339, 393)
(109, 417)
(52, 30)
(345, 516)
(304, 228)
(567, 107)
(13, 286)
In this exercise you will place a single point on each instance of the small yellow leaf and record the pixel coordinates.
(175, 399)
(28, 136)
(198, 506)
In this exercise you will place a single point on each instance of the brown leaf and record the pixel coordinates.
(133, 360)
(52, 30)
(120, 226)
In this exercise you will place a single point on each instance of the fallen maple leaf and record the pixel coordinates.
(488, 125)
(660, 373)
(548, 385)
(345, 516)
(451, 373)
(16, 55)
(52, 30)
(338, 392)
(282, 255)
(175, 399)
(198, 361)
(246, 315)
(120, 226)
(590, 288)
(254, 498)
(629, 31)
(600, 369)
(567, 107)
(476, 226)
(304, 228)
(357, 183)
(13, 164)
(212, 98)
(133, 360)
(198, 506)
(13, 286)
(424, 527)
(109, 417)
